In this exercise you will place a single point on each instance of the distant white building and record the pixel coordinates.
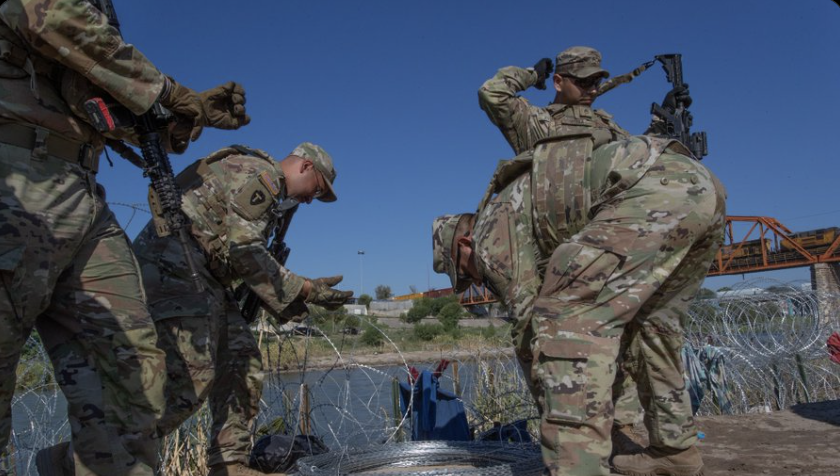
(733, 293)
(356, 309)
(390, 308)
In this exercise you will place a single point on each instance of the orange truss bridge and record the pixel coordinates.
(768, 245)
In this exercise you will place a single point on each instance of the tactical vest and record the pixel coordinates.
(17, 62)
(562, 180)
(577, 119)
(569, 180)
(560, 164)
(207, 206)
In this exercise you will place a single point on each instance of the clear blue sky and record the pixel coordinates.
(389, 89)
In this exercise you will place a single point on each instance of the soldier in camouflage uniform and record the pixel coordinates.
(627, 246)
(232, 198)
(66, 266)
(576, 81)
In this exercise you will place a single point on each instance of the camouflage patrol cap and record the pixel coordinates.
(443, 237)
(580, 62)
(323, 163)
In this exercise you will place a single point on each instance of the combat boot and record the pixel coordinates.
(237, 469)
(656, 462)
(50, 460)
(625, 441)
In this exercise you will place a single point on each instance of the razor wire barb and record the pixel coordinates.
(134, 207)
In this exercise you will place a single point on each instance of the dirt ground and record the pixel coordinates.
(802, 441)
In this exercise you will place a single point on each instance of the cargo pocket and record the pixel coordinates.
(562, 372)
(577, 273)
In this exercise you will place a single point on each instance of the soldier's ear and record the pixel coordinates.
(558, 82)
(305, 165)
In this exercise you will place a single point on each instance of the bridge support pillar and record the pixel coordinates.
(825, 279)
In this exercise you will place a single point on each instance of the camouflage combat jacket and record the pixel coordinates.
(230, 198)
(52, 51)
(510, 255)
(507, 255)
(523, 124)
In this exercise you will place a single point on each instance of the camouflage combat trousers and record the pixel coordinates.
(625, 396)
(211, 352)
(635, 267)
(628, 408)
(68, 270)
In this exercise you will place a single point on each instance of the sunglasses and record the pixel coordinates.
(320, 185)
(586, 83)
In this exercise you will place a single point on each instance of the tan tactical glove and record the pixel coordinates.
(322, 293)
(295, 312)
(224, 106)
(187, 107)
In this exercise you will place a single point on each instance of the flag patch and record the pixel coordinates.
(269, 183)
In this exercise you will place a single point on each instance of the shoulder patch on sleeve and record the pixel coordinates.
(270, 183)
(253, 199)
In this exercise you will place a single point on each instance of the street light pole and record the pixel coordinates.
(361, 253)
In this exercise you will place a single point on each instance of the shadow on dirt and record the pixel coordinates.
(826, 412)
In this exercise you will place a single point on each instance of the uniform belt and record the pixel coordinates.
(74, 152)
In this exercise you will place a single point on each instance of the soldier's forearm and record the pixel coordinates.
(505, 85)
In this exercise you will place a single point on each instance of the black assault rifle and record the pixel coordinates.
(108, 116)
(249, 301)
(678, 123)
(154, 162)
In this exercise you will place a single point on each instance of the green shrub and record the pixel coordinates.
(421, 308)
(455, 332)
(427, 332)
(365, 300)
(449, 315)
(438, 304)
(352, 321)
(327, 321)
(424, 307)
(371, 336)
